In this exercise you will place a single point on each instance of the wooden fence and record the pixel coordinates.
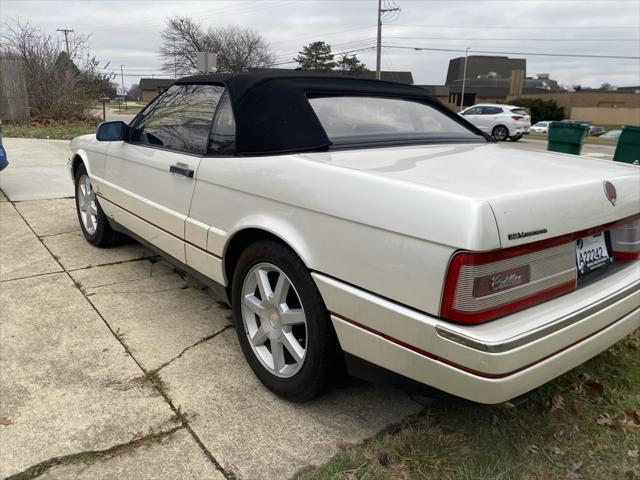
(14, 104)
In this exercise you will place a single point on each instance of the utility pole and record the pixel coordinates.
(66, 32)
(464, 77)
(124, 94)
(381, 11)
(122, 78)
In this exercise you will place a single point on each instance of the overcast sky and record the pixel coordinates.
(127, 31)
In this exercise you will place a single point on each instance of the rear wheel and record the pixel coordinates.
(93, 222)
(500, 133)
(282, 323)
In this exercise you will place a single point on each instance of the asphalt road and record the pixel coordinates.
(595, 150)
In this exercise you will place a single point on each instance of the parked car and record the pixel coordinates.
(358, 222)
(499, 121)
(612, 134)
(596, 131)
(4, 163)
(540, 127)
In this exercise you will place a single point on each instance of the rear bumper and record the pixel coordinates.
(493, 362)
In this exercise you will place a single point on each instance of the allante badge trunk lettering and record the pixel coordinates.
(501, 281)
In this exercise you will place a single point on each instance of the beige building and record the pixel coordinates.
(151, 87)
(598, 106)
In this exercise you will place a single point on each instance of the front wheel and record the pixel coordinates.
(93, 222)
(500, 133)
(282, 323)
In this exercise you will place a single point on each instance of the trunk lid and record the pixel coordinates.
(533, 194)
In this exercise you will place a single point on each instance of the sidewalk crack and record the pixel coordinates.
(88, 456)
(202, 340)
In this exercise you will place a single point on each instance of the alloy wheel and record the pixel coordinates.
(87, 205)
(274, 320)
(500, 133)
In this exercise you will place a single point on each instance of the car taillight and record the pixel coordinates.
(517, 117)
(484, 286)
(625, 241)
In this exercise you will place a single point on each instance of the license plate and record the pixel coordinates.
(591, 253)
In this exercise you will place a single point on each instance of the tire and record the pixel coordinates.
(515, 138)
(500, 133)
(97, 230)
(263, 327)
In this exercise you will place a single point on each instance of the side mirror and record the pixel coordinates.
(112, 131)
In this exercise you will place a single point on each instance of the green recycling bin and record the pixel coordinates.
(567, 137)
(628, 149)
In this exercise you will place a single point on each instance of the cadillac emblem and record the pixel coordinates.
(610, 192)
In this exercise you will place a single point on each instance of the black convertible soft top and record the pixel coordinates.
(273, 115)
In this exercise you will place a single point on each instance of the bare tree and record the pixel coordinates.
(182, 38)
(238, 49)
(134, 93)
(58, 86)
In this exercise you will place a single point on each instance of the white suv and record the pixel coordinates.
(500, 121)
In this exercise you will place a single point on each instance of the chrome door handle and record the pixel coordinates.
(187, 172)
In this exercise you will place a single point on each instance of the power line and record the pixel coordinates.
(490, 39)
(326, 34)
(576, 55)
(339, 46)
(344, 52)
(216, 13)
(524, 27)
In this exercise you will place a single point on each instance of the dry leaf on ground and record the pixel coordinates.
(605, 419)
(624, 424)
(5, 421)
(557, 403)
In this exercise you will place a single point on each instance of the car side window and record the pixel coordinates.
(491, 110)
(473, 111)
(222, 140)
(180, 119)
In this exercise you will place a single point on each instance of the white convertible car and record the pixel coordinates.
(361, 223)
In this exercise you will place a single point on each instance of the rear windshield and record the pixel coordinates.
(360, 119)
(519, 111)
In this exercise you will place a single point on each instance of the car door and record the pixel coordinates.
(212, 205)
(473, 115)
(489, 118)
(150, 177)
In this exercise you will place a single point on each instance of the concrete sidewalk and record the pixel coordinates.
(37, 169)
(112, 365)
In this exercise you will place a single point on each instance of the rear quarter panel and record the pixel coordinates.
(233, 194)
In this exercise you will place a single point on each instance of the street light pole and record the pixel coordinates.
(464, 77)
